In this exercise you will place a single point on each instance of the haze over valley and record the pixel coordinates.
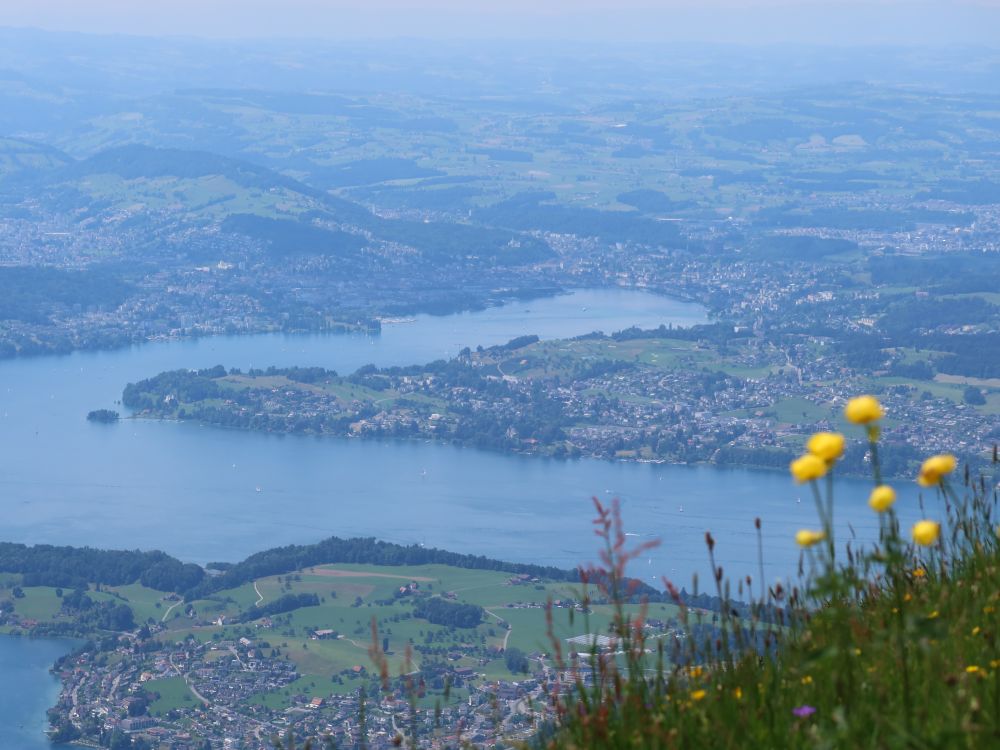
(317, 349)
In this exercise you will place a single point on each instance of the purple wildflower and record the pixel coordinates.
(803, 711)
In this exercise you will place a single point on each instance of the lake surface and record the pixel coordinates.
(191, 490)
(27, 691)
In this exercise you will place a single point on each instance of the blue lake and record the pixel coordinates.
(191, 490)
(27, 690)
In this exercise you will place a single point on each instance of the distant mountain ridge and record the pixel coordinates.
(293, 217)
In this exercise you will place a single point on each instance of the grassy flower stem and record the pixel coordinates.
(760, 566)
(825, 522)
(904, 658)
(829, 519)
(876, 464)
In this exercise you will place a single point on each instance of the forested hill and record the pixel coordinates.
(71, 567)
(76, 567)
(238, 197)
(368, 551)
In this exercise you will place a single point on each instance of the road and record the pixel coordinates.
(509, 628)
(236, 653)
(798, 371)
(170, 609)
(187, 682)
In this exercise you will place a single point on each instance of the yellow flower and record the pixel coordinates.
(697, 695)
(807, 537)
(738, 693)
(826, 445)
(807, 467)
(976, 630)
(863, 410)
(807, 680)
(934, 468)
(933, 615)
(882, 498)
(972, 669)
(925, 533)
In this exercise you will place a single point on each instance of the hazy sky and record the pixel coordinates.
(748, 21)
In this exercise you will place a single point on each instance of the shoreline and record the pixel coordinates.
(346, 328)
(533, 454)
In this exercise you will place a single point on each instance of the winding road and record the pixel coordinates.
(260, 596)
(509, 628)
(170, 609)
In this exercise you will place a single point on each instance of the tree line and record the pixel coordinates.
(285, 603)
(363, 551)
(77, 567)
(437, 611)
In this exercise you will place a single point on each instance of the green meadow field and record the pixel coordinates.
(352, 600)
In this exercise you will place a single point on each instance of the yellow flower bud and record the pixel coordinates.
(932, 471)
(882, 498)
(807, 467)
(697, 695)
(826, 445)
(863, 409)
(808, 537)
(925, 533)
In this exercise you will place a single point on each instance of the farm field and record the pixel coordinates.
(329, 639)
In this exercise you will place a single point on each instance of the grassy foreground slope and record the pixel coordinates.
(893, 646)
